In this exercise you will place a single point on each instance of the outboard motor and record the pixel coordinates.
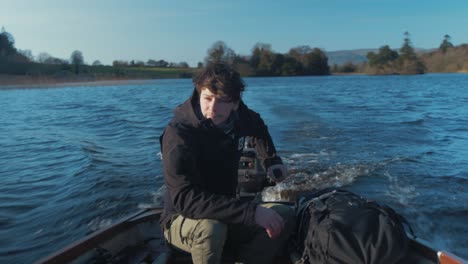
(252, 177)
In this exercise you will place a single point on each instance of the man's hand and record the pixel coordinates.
(270, 220)
(277, 172)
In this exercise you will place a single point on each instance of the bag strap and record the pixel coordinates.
(303, 204)
(319, 205)
(400, 218)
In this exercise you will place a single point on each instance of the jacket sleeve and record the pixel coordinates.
(188, 198)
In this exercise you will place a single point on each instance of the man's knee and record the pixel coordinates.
(208, 242)
(212, 230)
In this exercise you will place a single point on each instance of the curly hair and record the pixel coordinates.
(221, 79)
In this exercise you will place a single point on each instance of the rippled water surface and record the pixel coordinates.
(75, 159)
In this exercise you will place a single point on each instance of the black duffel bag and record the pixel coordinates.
(338, 226)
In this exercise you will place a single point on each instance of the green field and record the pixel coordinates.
(59, 71)
(153, 72)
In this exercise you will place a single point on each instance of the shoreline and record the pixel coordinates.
(10, 82)
(26, 82)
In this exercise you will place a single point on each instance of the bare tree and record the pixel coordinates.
(27, 53)
(299, 53)
(43, 57)
(259, 51)
(77, 60)
(183, 64)
(220, 52)
(159, 63)
(120, 63)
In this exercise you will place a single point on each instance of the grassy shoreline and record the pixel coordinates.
(49, 76)
(33, 83)
(30, 82)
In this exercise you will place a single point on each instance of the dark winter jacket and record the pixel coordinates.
(200, 163)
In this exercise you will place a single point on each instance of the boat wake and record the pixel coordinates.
(303, 180)
(308, 173)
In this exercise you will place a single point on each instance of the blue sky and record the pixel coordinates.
(179, 31)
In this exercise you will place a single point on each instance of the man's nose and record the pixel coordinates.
(214, 105)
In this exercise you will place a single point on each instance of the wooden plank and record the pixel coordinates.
(86, 244)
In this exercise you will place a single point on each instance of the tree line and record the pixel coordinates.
(149, 63)
(390, 61)
(446, 58)
(263, 61)
(22, 62)
(299, 61)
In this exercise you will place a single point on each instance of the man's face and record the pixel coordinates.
(216, 107)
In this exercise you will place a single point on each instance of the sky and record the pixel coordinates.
(183, 31)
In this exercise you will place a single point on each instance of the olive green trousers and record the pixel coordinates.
(209, 240)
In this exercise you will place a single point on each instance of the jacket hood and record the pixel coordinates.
(185, 113)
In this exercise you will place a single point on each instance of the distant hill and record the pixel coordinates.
(357, 56)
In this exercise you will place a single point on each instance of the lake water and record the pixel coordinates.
(76, 159)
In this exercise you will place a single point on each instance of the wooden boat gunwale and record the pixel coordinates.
(80, 247)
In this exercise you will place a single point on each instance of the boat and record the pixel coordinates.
(138, 239)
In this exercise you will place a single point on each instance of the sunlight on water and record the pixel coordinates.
(75, 160)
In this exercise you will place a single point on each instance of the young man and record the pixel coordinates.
(201, 149)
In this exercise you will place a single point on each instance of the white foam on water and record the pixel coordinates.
(400, 191)
(303, 155)
(99, 223)
(157, 198)
(304, 180)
